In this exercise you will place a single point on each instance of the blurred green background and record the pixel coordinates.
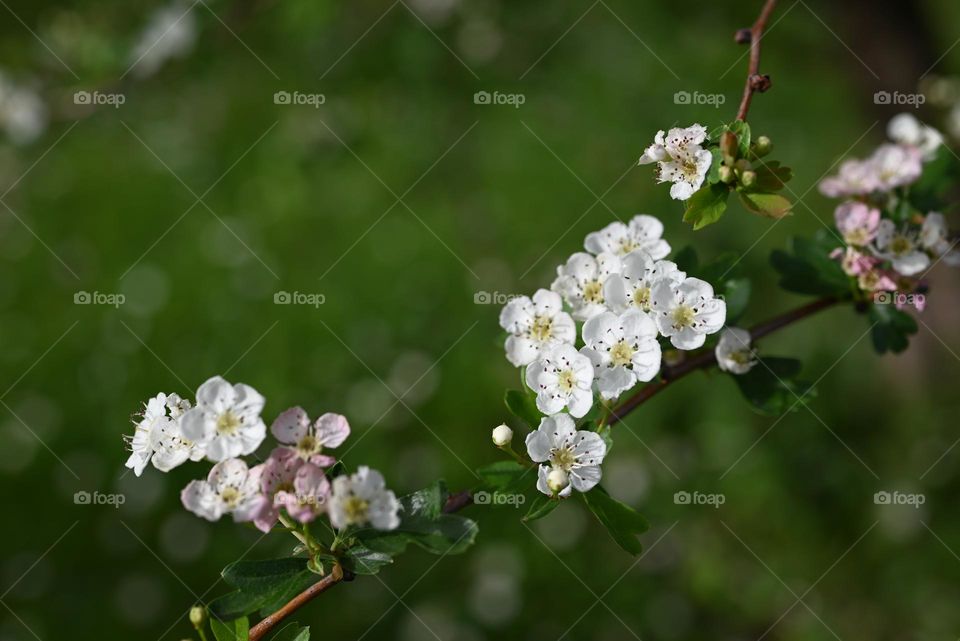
(402, 201)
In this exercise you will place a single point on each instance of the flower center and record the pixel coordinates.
(621, 353)
(900, 245)
(593, 292)
(308, 445)
(641, 298)
(228, 422)
(356, 509)
(741, 356)
(567, 380)
(230, 495)
(683, 316)
(627, 245)
(563, 458)
(541, 328)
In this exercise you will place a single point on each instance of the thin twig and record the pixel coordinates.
(755, 81)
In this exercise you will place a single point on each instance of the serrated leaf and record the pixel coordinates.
(809, 268)
(235, 630)
(293, 632)
(706, 205)
(891, 328)
(713, 175)
(541, 506)
(362, 560)
(261, 585)
(622, 522)
(771, 176)
(771, 386)
(766, 204)
(502, 474)
(736, 294)
(524, 406)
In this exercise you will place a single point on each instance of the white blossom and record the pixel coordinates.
(630, 289)
(687, 312)
(905, 129)
(623, 349)
(534, 325)
(680, 159)
(901, 247)
(361, 499)
(230, 488)
(734, 353)
(934, 236)
(226, 419)
(562, 378)
(146, 433)
(580, 281)
(571, 458)
(896, 166)
(643, 233)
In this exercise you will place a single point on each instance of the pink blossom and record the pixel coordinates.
(877, 280)
(857, 222)
(276, 483)
(853, 262)
(855, 178)
(311, 491)
(307, 441)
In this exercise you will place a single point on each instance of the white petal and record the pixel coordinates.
(521, 351)
(585, 478)
(538, 444)
(216, 394)
(613, 381)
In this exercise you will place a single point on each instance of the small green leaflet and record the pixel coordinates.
(706, 205)
(523, 405)
(293, 632)
(771, 386)
(236, 630)
(541, 506)
(261, 585)
(891, 328)
(622, 522)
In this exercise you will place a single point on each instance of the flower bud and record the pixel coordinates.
(726, 175)
(728, 146)
(502, 435)
(743, 165)
(198, 616)
(762, 146)
(748, 178)
(556, 480)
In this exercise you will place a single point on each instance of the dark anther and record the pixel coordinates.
(743, 36)
(760, 83)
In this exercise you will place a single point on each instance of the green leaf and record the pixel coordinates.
(771, 176)
(713, 176)
(293, 632)
(423, 523)
(736, 294)
(361, 560)
(524, 406)
(261, 585)
(502, 474)
(722, 267)
(766, 204)
(236, 630)
(771, 386)
(706, 205)
(686, 260)
(622, 522)
(541, 506)
(891, 328)
(809, 269)
(931, 191)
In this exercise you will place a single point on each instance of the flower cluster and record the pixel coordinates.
(888, 245)
(225, 424)
(681, 159)
(627, 297)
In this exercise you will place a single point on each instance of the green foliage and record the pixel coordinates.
(362, 560)
(771, 176)
(292, 632)
(808, 269)
(523, 405)
(771, 386)
(931, 191)
(261, 585)
(891, 328)
(707, 205)
(724, 275)
(503, 474)
(235, 630)
(766, 204)
(541, 506)
(622, 522)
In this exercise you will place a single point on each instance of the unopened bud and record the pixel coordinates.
(762, 146)
(556, 480)
(743, 165)
(727, 175)
(748, 178)
(198, 616)
(728, 146)
(502, 435)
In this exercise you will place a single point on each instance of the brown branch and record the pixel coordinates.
(707, 358)
(755, 81)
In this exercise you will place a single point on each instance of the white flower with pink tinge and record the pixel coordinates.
(680, 159)
(935, 238)
(905, 129)
(623, 349)
(306, 440)
(857, 222)
(642, 233)
(362, 499)
(230, 488)
(687, 312)
(901, 247)
(277, 485)
(311, 492)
